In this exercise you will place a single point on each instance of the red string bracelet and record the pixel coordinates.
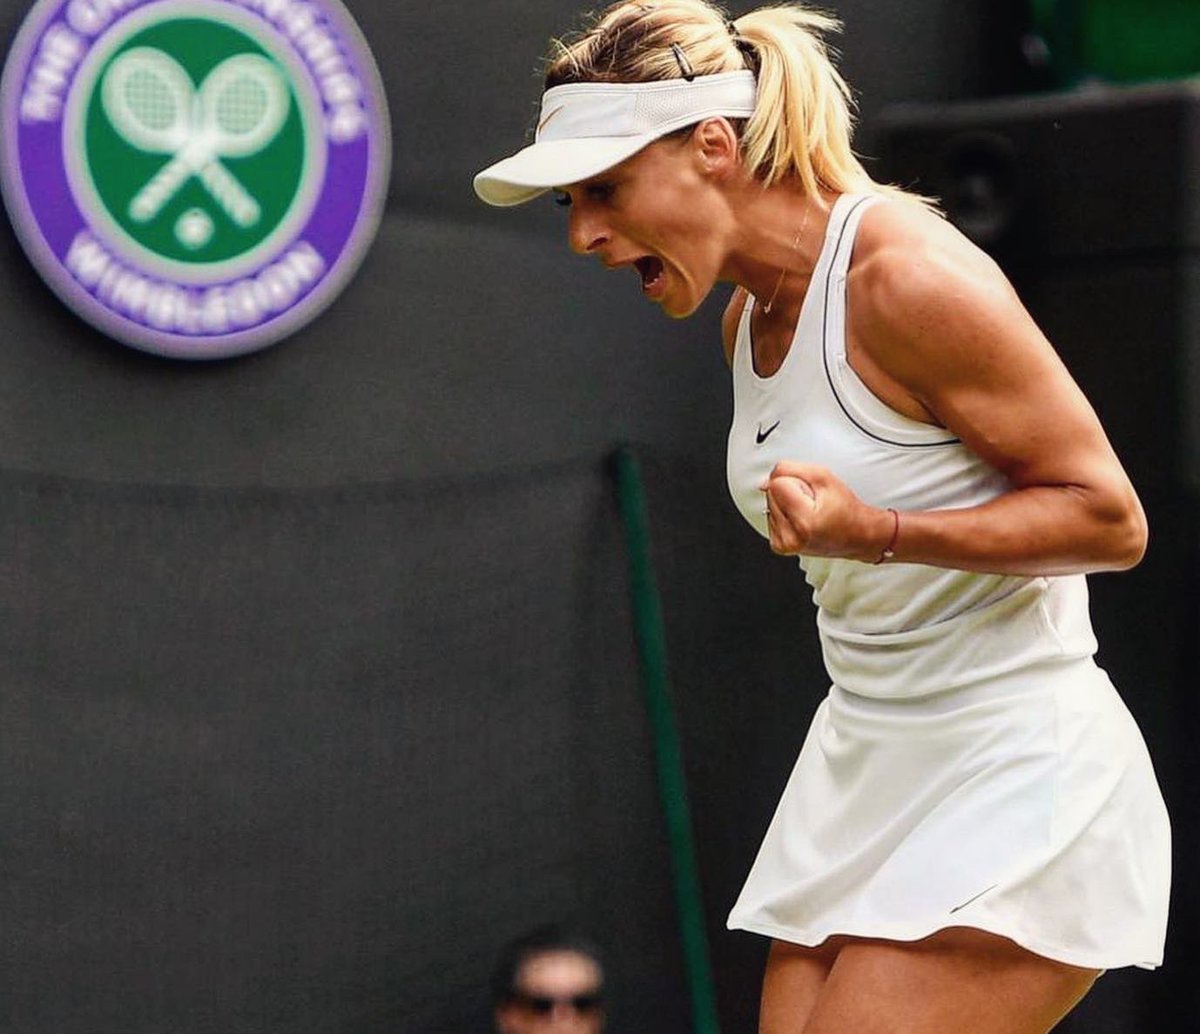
(889, 550)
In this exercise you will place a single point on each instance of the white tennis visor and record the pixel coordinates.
(586, 128)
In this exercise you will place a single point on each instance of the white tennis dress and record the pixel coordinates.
(970, 766)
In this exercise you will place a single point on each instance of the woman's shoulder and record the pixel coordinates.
(906, 252)
(929, 307)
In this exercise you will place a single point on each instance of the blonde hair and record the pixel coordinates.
(802, 128)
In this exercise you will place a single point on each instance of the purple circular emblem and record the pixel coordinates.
(196, 178)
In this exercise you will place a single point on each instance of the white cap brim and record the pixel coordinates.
(554, 163)
(587, 128)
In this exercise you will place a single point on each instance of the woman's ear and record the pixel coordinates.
(716, 146)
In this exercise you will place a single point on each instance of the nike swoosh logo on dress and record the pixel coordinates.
(762, 435)
(542, 125)
(975, 898)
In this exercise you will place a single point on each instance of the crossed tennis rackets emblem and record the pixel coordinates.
(235, 112)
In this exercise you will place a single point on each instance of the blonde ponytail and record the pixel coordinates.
(804, 121)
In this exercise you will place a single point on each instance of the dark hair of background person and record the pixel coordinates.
(543, 940)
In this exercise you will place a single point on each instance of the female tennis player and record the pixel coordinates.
(973, 831)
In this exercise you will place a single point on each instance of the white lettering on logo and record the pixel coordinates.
(340, 88)
(58, 54)
(87, 259)
(91, 17)
(214, 310)
(346, 123)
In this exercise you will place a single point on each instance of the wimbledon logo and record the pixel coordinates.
(197, 178)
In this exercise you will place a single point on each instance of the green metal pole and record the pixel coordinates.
(652, 655)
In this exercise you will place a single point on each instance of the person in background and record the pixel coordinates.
(549, 981)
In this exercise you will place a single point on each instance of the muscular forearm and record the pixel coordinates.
(1039, 530)
(1030, 530)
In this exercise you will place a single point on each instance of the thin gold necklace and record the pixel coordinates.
(783, 270)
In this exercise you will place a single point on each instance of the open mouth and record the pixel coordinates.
(651, 271)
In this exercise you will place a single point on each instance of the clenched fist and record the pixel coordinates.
(811, 512)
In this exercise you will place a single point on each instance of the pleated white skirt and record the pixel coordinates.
(1026, 806)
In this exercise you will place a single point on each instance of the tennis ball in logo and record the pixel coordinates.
(194, 141)
(194, 228)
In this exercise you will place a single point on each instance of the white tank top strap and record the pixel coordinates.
(843, 224)
(811, 316)
(743, 360)
(861, 406)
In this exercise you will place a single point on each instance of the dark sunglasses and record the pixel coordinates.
(544, 1006)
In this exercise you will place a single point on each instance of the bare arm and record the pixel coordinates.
(940, 330)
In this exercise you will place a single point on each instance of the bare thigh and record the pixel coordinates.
(957, 981)
(793, 980)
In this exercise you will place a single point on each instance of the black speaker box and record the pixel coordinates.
(1090, 201)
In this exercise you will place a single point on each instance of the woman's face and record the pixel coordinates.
(658, 213)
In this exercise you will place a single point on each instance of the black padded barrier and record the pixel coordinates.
(302, 760)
